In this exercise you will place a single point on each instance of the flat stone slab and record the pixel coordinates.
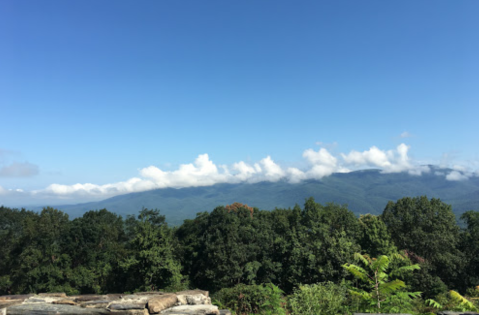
(95, 304)
(53, 309)
(130, 312)
(65, 302)
(88, 297)
(161, 302)
(192, 310)
(16, 297)
(194, 292)
(126, 306)
(7, 303)
(58, 295)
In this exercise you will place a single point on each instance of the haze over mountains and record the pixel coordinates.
(365, 191)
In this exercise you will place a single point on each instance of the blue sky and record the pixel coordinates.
(101, 92)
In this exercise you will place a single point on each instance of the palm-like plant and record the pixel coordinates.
(381, 286)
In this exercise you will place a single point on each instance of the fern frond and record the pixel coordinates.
(381, 264)
(414, 294)
(365, 259)
(390, 287)
(356, 271)
(405, 269)
(433, 303)
(359, 292)
(462, 300)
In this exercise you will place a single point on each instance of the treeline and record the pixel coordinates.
(102, 252)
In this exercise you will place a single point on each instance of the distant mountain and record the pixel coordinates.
(366, 191)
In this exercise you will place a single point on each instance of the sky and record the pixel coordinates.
(99, 98)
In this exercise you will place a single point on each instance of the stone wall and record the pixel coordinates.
(192, 302)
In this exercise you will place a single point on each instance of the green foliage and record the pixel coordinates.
(263, 299)
(316, 299)
(382, 291)
(151, 264)
(427, 231)
(101, 252)
(463, 304)
(374, 237)
(469, 245)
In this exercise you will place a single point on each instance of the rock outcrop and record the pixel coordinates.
(191, 302)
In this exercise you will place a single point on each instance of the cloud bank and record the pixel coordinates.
(204, 172)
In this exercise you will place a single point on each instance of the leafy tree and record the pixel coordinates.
(374, 237)
(96, 243)
(11, 236)
(382, 286)
(151, 264)
(470, 247)
(323, 242)
(42, 264)
(427, 229)
(231, 249)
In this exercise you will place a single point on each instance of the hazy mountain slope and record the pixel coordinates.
(365, 191)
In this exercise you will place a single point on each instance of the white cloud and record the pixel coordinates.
(371, 157)
(204, 172)
(456, 176)
(391, 161)
(272, 171)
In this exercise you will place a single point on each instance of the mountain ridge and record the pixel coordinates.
(365, 191)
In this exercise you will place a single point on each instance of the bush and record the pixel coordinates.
(321, 298)
(242, 299)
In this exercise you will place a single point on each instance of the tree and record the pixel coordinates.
(470, 248)
(233, 249)
(96, 243)
(374, 237)
(151, 264)
(426, 229)
(381, 286)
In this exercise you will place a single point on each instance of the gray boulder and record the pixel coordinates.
(192, 310)
(161, 302)
(52, 309)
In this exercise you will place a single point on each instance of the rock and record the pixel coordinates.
(161, 302)
(57, 295)
(52, 309)
(96, 304)
(194, 292)
(88, 297)
(16, 297)
(35, 299)
(7, 303)
(198, 299)
(456, 313)
(150, 293)
(181, 300)
(192, 310)
(131, 312)
(225, 312)
(65, 302)
(126, 306)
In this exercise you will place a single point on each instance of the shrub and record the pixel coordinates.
(321, 298)
(242, 299)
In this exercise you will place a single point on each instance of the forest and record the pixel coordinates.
(416, 257)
